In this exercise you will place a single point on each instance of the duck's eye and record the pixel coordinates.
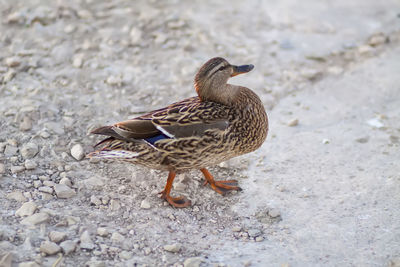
(222, 68)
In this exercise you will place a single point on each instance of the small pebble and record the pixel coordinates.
(192, 262)
(363, 140)
(29, 150)
(274, 213)
(172, 248)
(95, 200)
(145, 204)
(293, 122)
(17, 169)
(46, 189)
(77, 152)
(377, 39)
(2, 168)
(68, 246)
(77, 61)
(30, 164)
(56, 236)
(114, 80)
(63, 191)
(117, 237)
(27, 209)
(101, 231)
(126, 255)
(259, 239)
(375, 122)
(10, 150)
(17, 196)
(13, 62)
(50, 248)
(135, 36)
(66, 181)
(28, 264)
(69, 28)
(236, 229)
(26, 124)
(36, 218)
(254, 232)
(86, 241)
(326, 141)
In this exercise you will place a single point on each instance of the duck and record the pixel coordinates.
(223, 121)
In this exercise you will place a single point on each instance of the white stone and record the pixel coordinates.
(192, 262)
(145, 204)
(64, 191)
(65, 181)
(117, 237)
(77, 61)
(50, 248)
(30, 164)
(86, 241)
(27, 209)
(114, 80)
(36, 218)
(29, 150)
(136, 36)
(77, 152)
(13, 62)
(101, 231)
(68, 246)
(17, 195)
(17, 169)
(172, 248)
(56, 236)
(375, 122)
(95, 200)
(293, 122)
(46, 189)
(126, 255)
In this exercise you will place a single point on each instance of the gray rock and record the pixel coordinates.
(117, 238)
(46, 189)
(30, 164)
(17, 195)
(172, 248)
(68, 246)
(64, 191)
(254, 232)
(50, 248)
(27, 209)
(77, 152)
(10, 151)
(86, 241)
(95, 200)
(17, 169)
(293, 122)
(36, 218)
(274, 213)
(56, 236)
(29, 150)
(192, 262)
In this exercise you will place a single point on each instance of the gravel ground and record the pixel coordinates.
(324, 189)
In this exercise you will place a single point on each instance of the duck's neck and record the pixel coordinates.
(224, 94)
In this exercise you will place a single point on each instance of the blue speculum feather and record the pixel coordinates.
(154, 139)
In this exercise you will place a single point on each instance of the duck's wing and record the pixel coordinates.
(189, 117)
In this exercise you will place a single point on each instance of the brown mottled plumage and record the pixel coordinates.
(222, 122)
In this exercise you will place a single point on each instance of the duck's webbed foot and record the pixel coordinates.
(220, 187)
(177, 202)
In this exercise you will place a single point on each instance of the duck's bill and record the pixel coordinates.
(241, 69)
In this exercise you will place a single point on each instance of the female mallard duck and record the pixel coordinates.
(222, 122)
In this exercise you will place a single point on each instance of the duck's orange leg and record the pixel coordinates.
(177, 202)
(220, 186)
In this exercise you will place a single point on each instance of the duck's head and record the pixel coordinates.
(210, 81)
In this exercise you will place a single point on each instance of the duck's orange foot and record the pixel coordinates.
(220, 187)
(177, 202)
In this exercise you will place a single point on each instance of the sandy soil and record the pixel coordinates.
(324, 189)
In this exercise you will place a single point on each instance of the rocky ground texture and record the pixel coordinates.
(324, 190)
